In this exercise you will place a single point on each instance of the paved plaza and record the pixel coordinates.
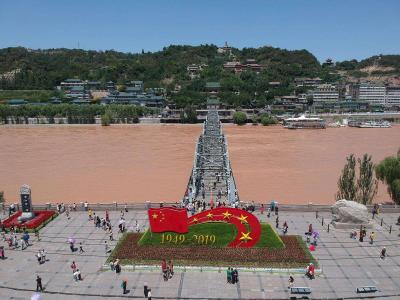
(346, 264)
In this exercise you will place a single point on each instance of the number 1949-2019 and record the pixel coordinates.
(200, 239)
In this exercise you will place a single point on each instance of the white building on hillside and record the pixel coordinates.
(372, 93)
(325, 93)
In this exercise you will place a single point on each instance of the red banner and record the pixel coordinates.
(168, 219)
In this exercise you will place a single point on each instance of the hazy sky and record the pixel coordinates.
(341, 29)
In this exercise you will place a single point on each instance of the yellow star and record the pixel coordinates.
(210, 215)
(242, 218)
(194, 220)
(245, 237)
(155, 216)
(227, 215)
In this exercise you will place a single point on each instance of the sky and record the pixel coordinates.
(339, 29)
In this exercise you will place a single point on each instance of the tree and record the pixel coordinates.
(2, 199)
(189, 115)
(106, 119)
(347, 181)
(239, 118)
(367, 185)
(268, 120)
(388, 171)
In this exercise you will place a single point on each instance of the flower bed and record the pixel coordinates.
(294, 254)
(42, 217)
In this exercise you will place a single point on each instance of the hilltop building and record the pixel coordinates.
(226, 49)
(194, 70)
(238, 67)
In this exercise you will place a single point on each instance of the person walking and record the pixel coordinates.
(164, 270)
(262, 209)
(371, 237)
(123, 285)
(383, 253)
(277, 222)
(117, 267)
(37, 235)
(229, 275)
(2, 256)
(73, 267)
(81, 248)
(39, 286)
(145, 290)
(291, 281)
(170, 269)
(106, 247)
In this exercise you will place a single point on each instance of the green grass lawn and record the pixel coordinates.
(214, 234)
(269, 238)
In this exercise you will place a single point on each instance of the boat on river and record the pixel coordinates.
(370, 124)
(304, 122)
(375, 124)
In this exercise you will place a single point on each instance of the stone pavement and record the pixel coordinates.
(346, 264)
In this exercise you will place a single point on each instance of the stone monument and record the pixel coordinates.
(349, 214)
(26, 202)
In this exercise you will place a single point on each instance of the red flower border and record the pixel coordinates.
(41, 216)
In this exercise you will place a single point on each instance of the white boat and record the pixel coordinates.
(375, 124)
(304, 122)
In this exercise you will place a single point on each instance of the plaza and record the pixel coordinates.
(346, 264)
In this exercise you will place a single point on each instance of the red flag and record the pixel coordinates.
(168, 219)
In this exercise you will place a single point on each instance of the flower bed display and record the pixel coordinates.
(294, 254)
(42, 217)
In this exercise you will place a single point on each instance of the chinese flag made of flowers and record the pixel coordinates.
(168, 219)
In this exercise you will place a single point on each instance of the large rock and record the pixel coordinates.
(349, 214)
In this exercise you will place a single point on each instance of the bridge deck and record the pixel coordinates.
(212, 178)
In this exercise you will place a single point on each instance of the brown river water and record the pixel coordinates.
(136, 163)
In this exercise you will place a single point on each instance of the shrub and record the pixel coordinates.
(239, 118)
(268, 120)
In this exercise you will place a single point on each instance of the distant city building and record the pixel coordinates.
(374, 94)
(393, 95)
(142, 99)
(77, 92)
(135, 86)
(110, 86)
(238, 67)
(325, 93)
(307, 82)
(70, 83)
(354, 91)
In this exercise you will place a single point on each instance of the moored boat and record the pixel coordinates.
(304, 122)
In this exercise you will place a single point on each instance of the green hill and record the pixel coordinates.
(26, 69)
